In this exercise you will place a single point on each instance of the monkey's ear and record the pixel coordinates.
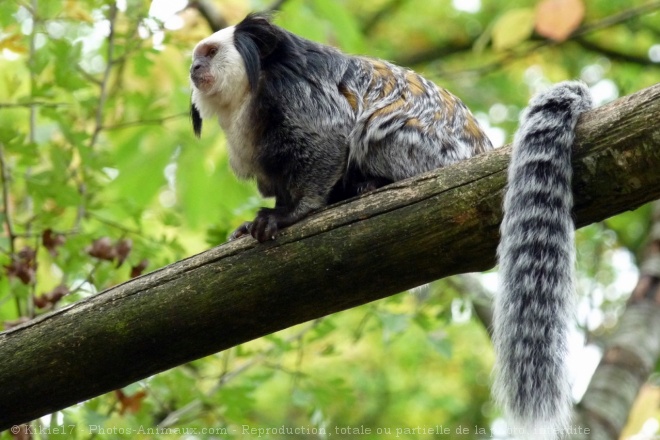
(196, 120)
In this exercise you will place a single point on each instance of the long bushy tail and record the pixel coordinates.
(536, 257)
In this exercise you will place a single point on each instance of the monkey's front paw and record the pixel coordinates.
(242, 230)
(265, 225)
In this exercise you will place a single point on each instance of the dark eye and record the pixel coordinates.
(212, 51)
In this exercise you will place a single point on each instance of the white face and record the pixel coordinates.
(218, 74)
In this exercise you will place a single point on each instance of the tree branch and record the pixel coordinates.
(642, 60)
(369, 23)
(438, 224)
(631, 352)
(210, 13)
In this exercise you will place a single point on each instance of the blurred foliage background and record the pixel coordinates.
(103, 180)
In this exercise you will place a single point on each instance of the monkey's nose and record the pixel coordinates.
(196, 65)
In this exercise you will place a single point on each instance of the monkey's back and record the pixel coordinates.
(393, 123)
(404, 123)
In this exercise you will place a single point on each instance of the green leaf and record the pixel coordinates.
(632, 227)
(48, 185)
(345, 26)
(9, 135)
(512, 28)
(142, 64)
(393, 324)
(324, 328)
(141, 169)
(68, 56)
(196, 195)
(7, 11)
(441, 344)
(281, 344)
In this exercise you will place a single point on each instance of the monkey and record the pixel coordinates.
(314, 126)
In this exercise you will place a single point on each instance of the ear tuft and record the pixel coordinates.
(196, 120)
(263, 33)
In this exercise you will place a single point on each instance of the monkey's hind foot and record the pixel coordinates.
(371, 185)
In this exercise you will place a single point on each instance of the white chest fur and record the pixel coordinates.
(238, 130)
(226, 95)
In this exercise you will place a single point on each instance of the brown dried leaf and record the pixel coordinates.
(558, 19)
(122, 249)
(130, 403)
(41, 302)
(52, 241)
(27, 254)
(23, 266)
(14, 42)
(19, 269)
(137, 270)
(102, 249)
(48, 300)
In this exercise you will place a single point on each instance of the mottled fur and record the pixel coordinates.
(314, 126)
(536, 257)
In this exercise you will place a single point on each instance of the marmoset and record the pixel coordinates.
(313, 126)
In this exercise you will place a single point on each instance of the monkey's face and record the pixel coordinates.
(200, 71)
(218, 71)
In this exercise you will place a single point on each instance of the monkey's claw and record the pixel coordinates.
(242, 230)
(265, 226)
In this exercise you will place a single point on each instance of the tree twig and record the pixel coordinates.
(98, 120)
(610, 53)
(103, 94)
(32, 104)
(4, 178)
(157, 121)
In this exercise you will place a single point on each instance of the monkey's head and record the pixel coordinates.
(227, 65)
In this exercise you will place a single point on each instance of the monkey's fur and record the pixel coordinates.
(314, 126)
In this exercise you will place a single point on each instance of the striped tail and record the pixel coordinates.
(536, 256)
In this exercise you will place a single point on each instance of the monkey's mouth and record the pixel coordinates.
(202, 80)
